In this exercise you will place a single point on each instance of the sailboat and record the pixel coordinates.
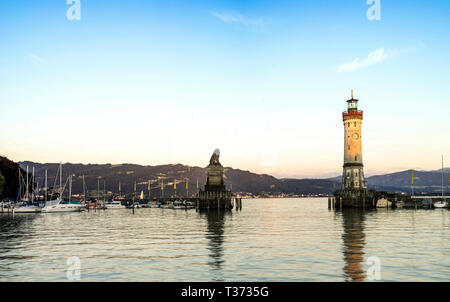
(59, 205)
(27, 205)
(142, 203)
(442, 203)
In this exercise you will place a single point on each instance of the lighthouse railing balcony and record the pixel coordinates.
(351, 113)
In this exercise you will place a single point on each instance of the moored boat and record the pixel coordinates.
(178, 204)
(440, 204)
(168, 205)
(26, 208)
(90, 205)
(5, 207)
(58, 205)
(155, 205)
(114, 204)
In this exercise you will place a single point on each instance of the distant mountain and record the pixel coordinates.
(110, 176)
(424, 181)
(446, 170)
(235, 179)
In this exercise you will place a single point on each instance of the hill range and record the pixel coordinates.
(244, 182)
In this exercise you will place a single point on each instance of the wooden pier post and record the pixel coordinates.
(329, 202)
(240, 204)
(340, 203)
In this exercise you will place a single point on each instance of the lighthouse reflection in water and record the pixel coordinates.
(269, 240)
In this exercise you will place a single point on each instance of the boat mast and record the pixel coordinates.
(34, 193)
(55, 183)
(442, 177)
(46, 186)
(84, 190)
(98, 190)
(26, 196)
(60, 180)
(32, 186)
(70, 188)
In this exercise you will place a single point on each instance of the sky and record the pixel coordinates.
(266, 82)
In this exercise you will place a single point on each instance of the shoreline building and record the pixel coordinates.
(354, 193)
(215, 195)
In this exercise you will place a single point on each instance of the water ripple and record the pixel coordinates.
(269, 240)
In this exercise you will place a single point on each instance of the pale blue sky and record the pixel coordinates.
(155, 82)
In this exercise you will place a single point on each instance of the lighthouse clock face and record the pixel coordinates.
(355, 136)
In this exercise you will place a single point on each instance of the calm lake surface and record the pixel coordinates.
(269, 240)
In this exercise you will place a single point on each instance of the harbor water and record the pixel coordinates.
(269, 240)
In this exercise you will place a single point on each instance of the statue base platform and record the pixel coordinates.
(215, 200)
(356, 198)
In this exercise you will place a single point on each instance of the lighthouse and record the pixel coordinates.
(354, 193)
(353, 174)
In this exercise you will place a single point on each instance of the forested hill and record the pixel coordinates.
(235, 179)
(110, 176)
(9, 178)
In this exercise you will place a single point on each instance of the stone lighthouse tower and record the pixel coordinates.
(353, 174)
(354, 193)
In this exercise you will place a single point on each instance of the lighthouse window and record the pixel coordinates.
(355, 124)
(349, 124)
(356, 157)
